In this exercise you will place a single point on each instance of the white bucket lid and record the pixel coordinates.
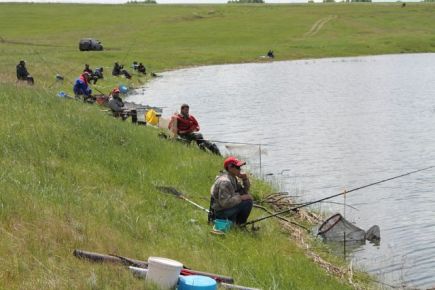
(164, 262)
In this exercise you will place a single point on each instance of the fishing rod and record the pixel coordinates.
(51, 68)
(64, 76)
(179, 194)
(45, 62)
(335, 195)
(281, 218)
(239, 143)
(129, 50)
(99, 91)
(331, 202)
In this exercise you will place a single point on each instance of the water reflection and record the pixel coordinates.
(345, 249)
(330, 125)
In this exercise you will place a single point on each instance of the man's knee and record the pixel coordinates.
(247, 202)
(197, 136)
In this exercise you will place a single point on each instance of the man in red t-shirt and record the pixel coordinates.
(186, 127)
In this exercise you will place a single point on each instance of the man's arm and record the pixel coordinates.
(244, 188)
(173, 125)
(195, 125)
(245, 181)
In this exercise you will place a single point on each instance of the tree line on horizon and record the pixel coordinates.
(262, 1)
(229, 2)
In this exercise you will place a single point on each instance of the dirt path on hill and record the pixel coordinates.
(317, 26)
(27, 43)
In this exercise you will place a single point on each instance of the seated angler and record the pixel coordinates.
(141, 68)
(88, 69)
(125, 72)
(134, 66)
(116, 69)
(186, 127)
(81, 87)
(116, 104)
(118, 108)
(23, 74)
(98, 74)
(230, 199)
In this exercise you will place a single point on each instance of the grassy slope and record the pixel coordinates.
(91, 186)
(75, 178)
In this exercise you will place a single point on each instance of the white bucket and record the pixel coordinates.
(163, 272)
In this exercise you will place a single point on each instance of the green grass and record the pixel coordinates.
(73, 177)
(167, 37)
(76, 178)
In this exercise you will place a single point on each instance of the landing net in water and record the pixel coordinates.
(338, 229)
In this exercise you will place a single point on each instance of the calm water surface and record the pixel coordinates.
(328, 125)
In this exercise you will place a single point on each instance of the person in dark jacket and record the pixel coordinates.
(141, 68)
(115, 103)
(125, 73)
(98, 74)
(116, 69)
(118, 107)
(23, 74)
(119, 70)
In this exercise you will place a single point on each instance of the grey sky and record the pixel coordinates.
(158, 1)
(176, 1)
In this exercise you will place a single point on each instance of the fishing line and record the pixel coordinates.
(64, 76)
(128, 51)
(67, 78)
(51, 68)
(331, 202)
(99, 91)
(232, 142)
(243, 143)
(335, 195)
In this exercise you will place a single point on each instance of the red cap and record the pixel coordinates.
(115, 91)
(233, 161)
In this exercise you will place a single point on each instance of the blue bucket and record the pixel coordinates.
(196, 282)
(123, 89)
(222, 225)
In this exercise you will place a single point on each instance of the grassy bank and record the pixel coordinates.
(76, 178)
(73, 177)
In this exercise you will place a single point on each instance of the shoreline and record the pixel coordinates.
(91, 185)
(305, 240)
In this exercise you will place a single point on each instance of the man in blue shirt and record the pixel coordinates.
(81, 87)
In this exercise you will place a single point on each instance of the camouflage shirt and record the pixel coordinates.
(226, 191)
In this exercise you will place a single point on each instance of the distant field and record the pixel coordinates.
(74, 177)
(170, 36)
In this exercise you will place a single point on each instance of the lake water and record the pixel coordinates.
(327, 125)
